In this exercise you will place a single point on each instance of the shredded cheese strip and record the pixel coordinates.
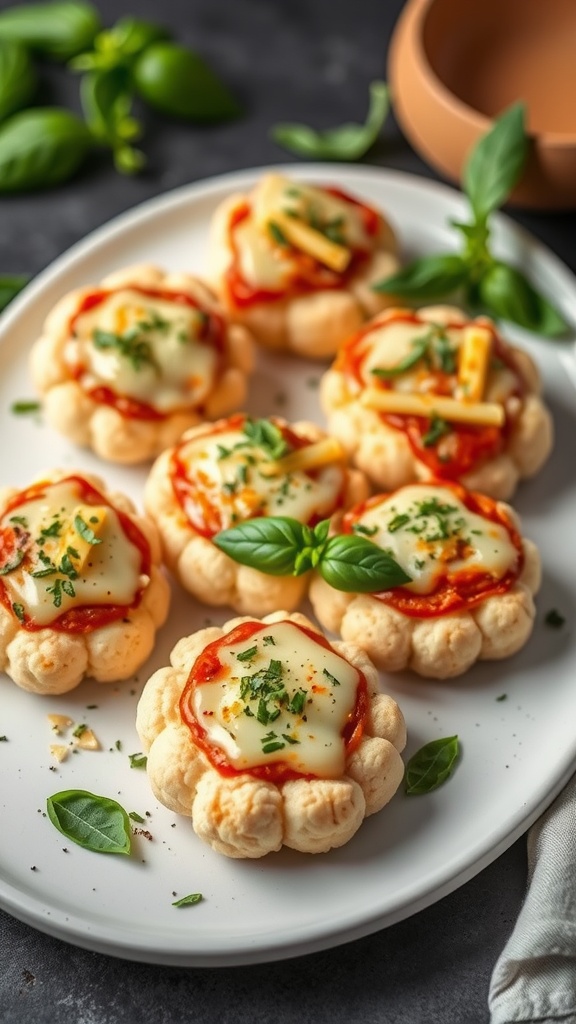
(473, 362)
(322, 453)
(314, 243)
(488, 414)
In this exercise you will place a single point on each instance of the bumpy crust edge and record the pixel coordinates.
(312, 325)
(386, 456)
(70, 411)
(205, 571)
(244, 816)
(50, 662)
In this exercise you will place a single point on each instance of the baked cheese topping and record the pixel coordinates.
(289, 219)
(431, 533)
(145, 348)
(68, 554)
(279, 695)
(233, 470)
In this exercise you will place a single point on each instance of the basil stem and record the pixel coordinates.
(347, 142)
(430, 766)
(95, 822)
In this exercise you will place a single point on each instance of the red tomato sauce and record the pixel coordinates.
(466, 446)
(307, 274)
(454, 591)
(194, 495)
(208, 669)
(212, 332)
(83, 618)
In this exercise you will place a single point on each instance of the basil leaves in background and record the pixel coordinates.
(9, 288)
(486, 283)
(347, 142)
(133, 58)
(431, 766)
(95, 822)
(281, 546)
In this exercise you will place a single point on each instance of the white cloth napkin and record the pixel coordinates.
(534, 979)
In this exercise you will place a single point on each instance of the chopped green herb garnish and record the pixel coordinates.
(330, 677)
(118, 744)
(503, 696)
(366, 531)
(18, 610)
(223, 452)
(265, 434)
(85, 531)
(437, 429)
(297, 702)
(247, 655)
(137, 760)
(20, 521)
(188, 901)
(397, 522)
(268, 640)
(136, 817)
(277, 234)
(79, 730)
(50, 531)
(24, 407)
(419, 350)
(554, 618)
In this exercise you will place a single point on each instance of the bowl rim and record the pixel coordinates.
(414, 15)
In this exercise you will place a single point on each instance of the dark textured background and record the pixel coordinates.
(309, 60)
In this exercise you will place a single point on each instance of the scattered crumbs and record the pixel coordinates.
(29, 978)
(33, 868)
(280, 398)
(64, 849)
(313, 382)
(132, 693)
(52, 768)
(91, 707)
(554, 619)
(147, 813)
(118, 744)
(503, 696)
(3, 739)
(173, 825)
(174, 893)
(143, 832)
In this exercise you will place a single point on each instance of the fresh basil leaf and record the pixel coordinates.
(107, 103)
(178, 82)
(430, 766)
(95, 822)
(430, 277)
(9, 288)
(40, 148)
(271, 544)
(188, 901)
(504, 292)
(58, 30)
(496, 162)
(354, 564)
(347, 142)
(17, 78)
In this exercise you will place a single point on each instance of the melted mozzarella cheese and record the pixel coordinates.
(431, 533)
(110, 574)
(302, 725)
(175, 369)
(232, 471)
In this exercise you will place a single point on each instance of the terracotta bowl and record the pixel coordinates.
(456, 64)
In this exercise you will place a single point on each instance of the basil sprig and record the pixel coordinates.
(430, 766)
(282, 546)
(97, 823)
(347, 142)
(485, 283)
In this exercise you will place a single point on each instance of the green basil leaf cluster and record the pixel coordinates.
(97, 823)
(9, 288)
(58, 30)
(430, 766)
(176, 81)
(18, 79)
(282, 546)
(346, 142)
(483, 282)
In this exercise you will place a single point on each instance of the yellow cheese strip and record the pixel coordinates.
(59, 723)
(95, 517)
(314, 243)
(488, 414)
(473, 362)
(321, 453)
(59, 752)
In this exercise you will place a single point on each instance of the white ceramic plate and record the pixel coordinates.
(517, 752)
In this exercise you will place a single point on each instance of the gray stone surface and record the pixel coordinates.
(288, 60)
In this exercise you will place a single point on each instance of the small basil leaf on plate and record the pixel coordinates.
(430, 766)
(430, 277)
(505, 292)
(496, 162)
(346, 142)
(271, 544)
(97, 823)
(354, 564)
(188, 901)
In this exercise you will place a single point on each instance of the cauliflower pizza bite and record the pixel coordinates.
(81, 589)
(124, 368)
(296, 263)
(221, 474)
(472, 581)
(425, 394)
(267, 735)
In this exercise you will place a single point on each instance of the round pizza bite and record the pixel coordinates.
(296, 263)
(124, 368)
(473, 577)
(267, 735)
(416, 395)
(81, 588)
(224, 473)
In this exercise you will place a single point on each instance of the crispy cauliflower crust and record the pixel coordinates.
(385, 454)
(312, 325)
(205, 571)
(244, 816)
(114, 437)
(47, 661)
(440, 647)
